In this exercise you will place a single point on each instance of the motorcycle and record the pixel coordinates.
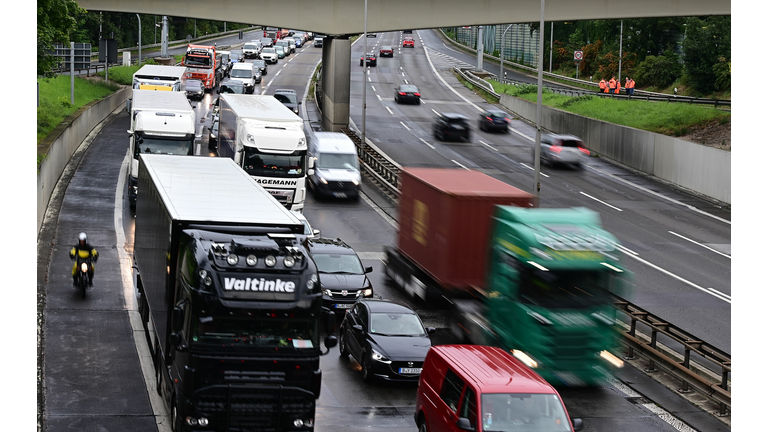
(81, 274)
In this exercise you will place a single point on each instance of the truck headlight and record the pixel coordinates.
(251, 260)
(270, 261)
(232, 259)
(289, 261)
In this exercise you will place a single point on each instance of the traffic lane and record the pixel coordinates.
(86, 339)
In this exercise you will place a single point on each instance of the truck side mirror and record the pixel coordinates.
(177, 319)
(330, 321)
(311, 163)
(431, 330)
(330, 341)
(177, 342)
(316, 232)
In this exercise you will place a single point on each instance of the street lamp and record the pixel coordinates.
(365, 62)
(137, 16)
(537, 148)
(501, 53)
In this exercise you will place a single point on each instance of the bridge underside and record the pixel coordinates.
(345, 17)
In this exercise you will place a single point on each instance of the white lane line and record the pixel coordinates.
(685, 281)
(722, 294)
(430, 145)
(378, 210)
(390, 111)
(405, 126)
(627, 250)
(460, 165)
(533, 169)
(704, 246)
(378, 96)
(369, 79)
(373, 88)
(488, 145)
(656, 194)
(602, 202)
(437, 113)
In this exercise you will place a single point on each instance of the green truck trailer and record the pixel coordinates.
(537, 282)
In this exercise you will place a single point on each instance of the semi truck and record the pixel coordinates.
(535, 281)
(159, 77)
(161, 122)
(204, 64)
(229, 299)
(267, 140)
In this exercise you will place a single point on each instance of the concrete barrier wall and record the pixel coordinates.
(71, 134)
(698, 168)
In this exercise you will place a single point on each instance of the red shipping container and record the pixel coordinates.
(445, 221)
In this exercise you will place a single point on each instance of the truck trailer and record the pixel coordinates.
(159, 77)
(229, 298)
(537, 282)
(161, 122)
(267, 140)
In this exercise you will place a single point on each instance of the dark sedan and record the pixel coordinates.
(494, 120)
(343, 279)
(194, 89)
(370, 59)
(407, 93)
(386, 338)
(451, 126)
(261, 65)
(386, 51)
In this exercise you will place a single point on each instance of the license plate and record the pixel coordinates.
(339, 194)
(344, 305)
(410, 370)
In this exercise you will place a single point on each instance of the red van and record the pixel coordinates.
(481, 388)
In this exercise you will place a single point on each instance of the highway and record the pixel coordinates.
(677, 246)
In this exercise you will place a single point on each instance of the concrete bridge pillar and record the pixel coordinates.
(335, 87)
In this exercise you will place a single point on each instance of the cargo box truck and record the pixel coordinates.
(537, 282)
(229, 298)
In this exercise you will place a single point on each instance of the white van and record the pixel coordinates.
(337, 170)
(245, 73)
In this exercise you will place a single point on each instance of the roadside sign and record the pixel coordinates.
(578, 56)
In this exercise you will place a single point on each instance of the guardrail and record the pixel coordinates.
(698, 365)
(649, 96)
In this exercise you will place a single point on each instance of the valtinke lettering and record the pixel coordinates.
(260, 284)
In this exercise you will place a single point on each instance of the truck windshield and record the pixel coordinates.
(256, 163)
(243, 328)
(181, 146)
(508, 412)
(337, 161)
(564, 289)
(197, 61)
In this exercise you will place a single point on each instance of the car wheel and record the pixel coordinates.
(423, 425)
(158, 377)
(343, 347)
(175, 421)
(367, 374)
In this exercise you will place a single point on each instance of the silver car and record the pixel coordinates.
(563, 150)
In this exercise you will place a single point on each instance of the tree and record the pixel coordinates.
(706, 40)
(56, 20)
(659, 71)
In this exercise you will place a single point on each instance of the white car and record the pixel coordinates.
(251, 50)
(308, 230)
(269, 55)
(563, 149)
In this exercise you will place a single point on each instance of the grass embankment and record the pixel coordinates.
(674, 119)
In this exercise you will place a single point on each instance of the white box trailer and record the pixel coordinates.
(161, 123)
(267, 140)
(159, 77)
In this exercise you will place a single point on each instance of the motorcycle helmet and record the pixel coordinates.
(82, 238)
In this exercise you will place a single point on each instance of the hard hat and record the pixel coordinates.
(82, 237)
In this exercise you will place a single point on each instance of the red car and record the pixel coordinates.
(386, 51)
(408, 42)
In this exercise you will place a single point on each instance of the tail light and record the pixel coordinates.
(507, 119)
(583, 150)
(401, 93)
(556, 149)
(417, 94)
(489, 119)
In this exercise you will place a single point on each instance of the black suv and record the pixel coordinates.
(343, 278)
(451, 126)
(288, 98)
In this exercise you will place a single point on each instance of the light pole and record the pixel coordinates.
(537, 149)
(551, 42)
(501, 53)
(365, 62)
(621, 36)
(137, 16)
(479, 49)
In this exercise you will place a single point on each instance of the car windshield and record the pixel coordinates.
(241, 73)
(249, 46)
(337, 161)
(338, 263)
(256, 163)
(194, 85)
(386, 48)
(286, 97)
(150, 145)
(233, 57)
(497, 114)
(232, 88)
(259, 63)
(396, 324)
(571, 143)
(279, 49)
(241, 328)
(513, 412)
(268, 50)
(409, 88)
(455, 120)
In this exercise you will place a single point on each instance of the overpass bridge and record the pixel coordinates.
(340, 19)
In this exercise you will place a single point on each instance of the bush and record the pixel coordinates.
(722, 70)
(659, 71)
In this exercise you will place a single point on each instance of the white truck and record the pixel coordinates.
(267, 140)
(161, 123)
(159, 77)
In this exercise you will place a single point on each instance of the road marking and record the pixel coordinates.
(722, 294)
(378, 210)
(704, 246)
(369, 79)
(627, 250)
(663, 414)
(533, 169)
(487, 145)
(435, 111)
(379, 97)
(668, 273)
(430, 145)
(373, 88)
(390, 111)
(460, 165)
(602, 202)
(405, 126)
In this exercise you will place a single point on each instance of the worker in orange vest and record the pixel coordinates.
(602, 86)
(612, 85)
(630, 86)
(618, 87)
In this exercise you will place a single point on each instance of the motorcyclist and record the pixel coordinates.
(84, 251)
